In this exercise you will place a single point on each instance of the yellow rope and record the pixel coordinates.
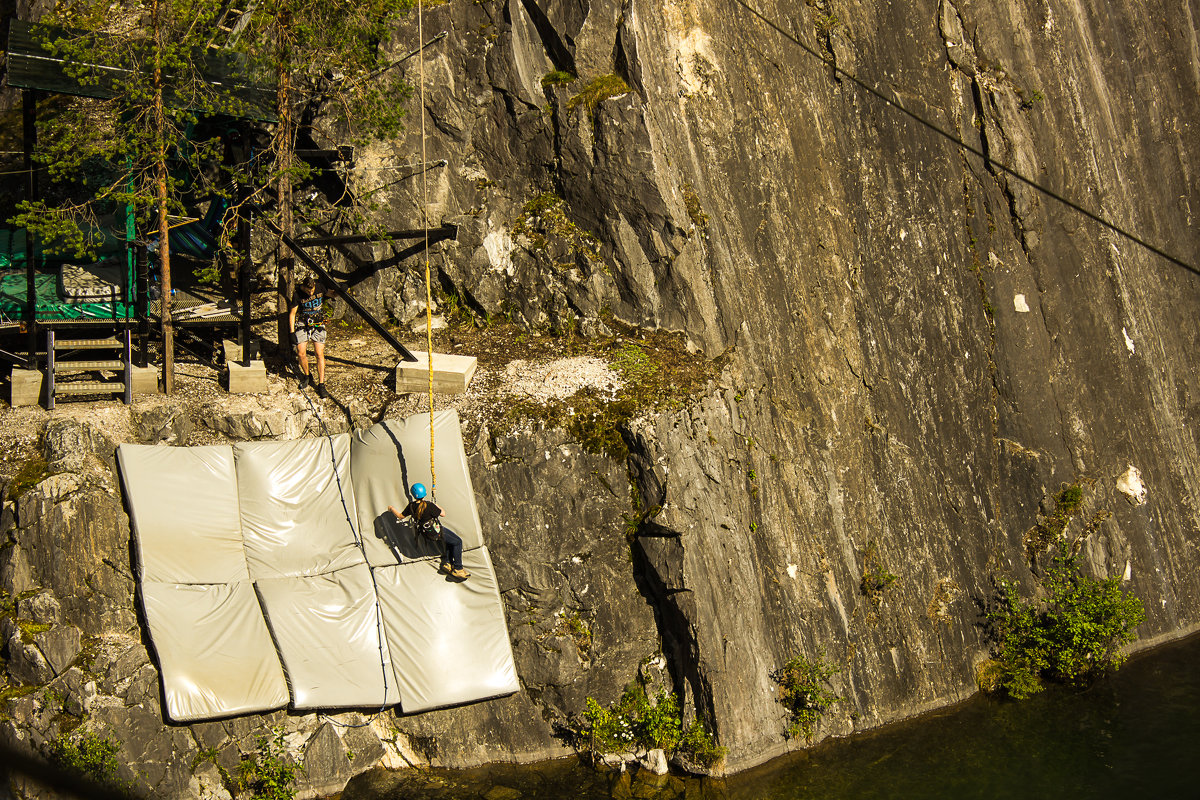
(425, 228)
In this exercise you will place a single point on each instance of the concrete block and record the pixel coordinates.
(144, 380)
(451, 374)
(247, 380)
(26, 387)
(235, 352)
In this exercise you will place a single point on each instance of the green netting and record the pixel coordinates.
(49, 304)
(12, 247)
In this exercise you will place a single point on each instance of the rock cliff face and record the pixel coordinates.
(921, 351)
(923, 348)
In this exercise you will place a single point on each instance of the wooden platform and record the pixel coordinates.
(451, 374)
(195, 310)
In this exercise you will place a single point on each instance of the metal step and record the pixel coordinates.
(62, 367)
(90, 387)
(88, 344)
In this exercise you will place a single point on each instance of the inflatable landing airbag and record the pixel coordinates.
(194, 490)
(327, 630)
(297, 506)
(216, 655)
(448, 640)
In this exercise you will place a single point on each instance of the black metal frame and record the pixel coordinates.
(337, 287)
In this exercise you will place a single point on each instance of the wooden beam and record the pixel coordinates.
(343, 152)
(337, 287)
(435, 235)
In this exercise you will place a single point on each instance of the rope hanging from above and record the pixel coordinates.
(425, 229)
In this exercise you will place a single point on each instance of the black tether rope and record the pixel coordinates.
(956, 140)
(362, 548)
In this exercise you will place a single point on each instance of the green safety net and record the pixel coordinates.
(50, 305)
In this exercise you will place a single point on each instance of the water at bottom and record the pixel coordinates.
(1134, 733)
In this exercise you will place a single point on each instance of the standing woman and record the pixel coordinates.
(307, 320)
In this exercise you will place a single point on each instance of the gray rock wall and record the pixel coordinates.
(922, 351)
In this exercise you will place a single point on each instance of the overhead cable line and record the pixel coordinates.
(970, 148)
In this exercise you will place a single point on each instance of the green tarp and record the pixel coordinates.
(49, 304)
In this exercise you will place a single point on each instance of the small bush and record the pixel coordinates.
(874, 581)
(1050, 529)
(805, 693)
(825, 23)
(607, 730)
(558, 77)
(598, 91)
(875, 578)
(89, 755)
(266, 773)
(700, 746)
(1072, 636)
(635, 722)
(544, 221)
(633, 364)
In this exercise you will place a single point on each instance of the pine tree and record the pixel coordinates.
(127, 145)
(328, 58)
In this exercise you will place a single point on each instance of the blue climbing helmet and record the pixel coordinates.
(418, 490)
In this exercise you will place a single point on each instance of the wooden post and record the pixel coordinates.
(245, 273)
(142, 304)
(29, 100)
(285, 143)
(160, 180)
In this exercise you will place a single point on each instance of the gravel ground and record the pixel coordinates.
(558, 378)
(359, 375)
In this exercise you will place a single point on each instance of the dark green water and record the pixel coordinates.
(1135, 734)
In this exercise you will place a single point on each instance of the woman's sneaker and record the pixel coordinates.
(444, 566)
(459, 574)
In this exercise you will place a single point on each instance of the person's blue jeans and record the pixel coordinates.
(452, 543)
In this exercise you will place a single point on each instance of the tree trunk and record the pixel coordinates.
(285, 146)
(160, 180)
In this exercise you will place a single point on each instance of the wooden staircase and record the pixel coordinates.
(73, 366)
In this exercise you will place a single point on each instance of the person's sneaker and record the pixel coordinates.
(444, 566)
(322, 391)
(303, 380)
(459, 574)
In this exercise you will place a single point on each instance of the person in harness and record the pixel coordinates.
(307, 320)
(427, 521)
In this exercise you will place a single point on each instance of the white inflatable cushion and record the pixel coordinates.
(327, 630)
(215, 653)
(183, 504)
(391, 456)
(297, 506)
(449, 641)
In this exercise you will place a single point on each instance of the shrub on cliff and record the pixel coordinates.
(267, 773)
(1073, 635)
(639, 722)
(88, 755)
(803, 691)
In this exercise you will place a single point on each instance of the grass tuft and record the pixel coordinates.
(599, 90)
